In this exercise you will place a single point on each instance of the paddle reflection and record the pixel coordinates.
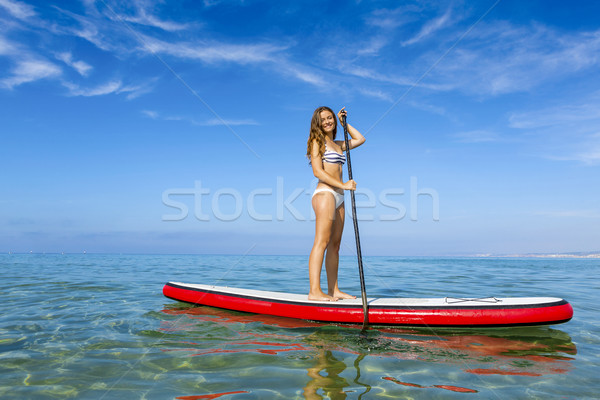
(331, 354)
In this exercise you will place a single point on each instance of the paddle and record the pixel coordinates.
(356, 235)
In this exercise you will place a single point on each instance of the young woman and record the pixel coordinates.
(327, 158)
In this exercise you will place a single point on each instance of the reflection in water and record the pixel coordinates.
(210, 396)
(446, 387)
(325, 376)
(324, 349)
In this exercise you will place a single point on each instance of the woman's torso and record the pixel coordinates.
(333, 160)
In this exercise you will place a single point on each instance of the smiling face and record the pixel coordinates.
(328, 122)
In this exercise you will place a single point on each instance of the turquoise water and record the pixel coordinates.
(98, 327)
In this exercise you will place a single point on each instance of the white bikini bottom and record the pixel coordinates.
(339, 197)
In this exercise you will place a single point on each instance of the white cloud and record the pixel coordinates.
(80, 66)
(495, 58)
(211, 3)
(210, 122)
(377, 94)
(110, 87)
(145, 16)
(157, 116)
(570, 131)
(560, 115)
(589, 157)
(151, 20)
(391, 19)
(228, 122)
(371, 74)
(135, 91)
(213, 52)
(99, 31)
(373, 46)
(300, 73)
(588, 153)
(429, 28)
(103, 89)
(6, 47)
(18, 9)
(430, 108)
(150, 114)
(501, 58)
(29, 70)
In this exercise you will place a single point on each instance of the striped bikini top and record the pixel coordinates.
(333, 157)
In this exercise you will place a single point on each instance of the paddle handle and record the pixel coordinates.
(356, 234)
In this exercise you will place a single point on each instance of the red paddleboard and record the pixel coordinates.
(448, 311)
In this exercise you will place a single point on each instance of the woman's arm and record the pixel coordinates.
(357, 137)
(322, 175)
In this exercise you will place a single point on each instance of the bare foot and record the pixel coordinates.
(321, 297)
(341, 295)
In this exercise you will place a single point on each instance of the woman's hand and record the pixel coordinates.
(342, 115)
(350, 185)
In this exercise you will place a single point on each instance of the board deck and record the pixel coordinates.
(481, 312)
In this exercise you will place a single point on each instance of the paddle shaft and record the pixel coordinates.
(356, 235)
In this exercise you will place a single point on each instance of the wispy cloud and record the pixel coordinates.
(27, 66)
(136, 90)
(212, 52)
(430, 108)
(29, 70)
(500, 58)
(111, 87)
(210, 122)
(373, 46)
(390, 19)
(98, 31)
(585, 151)
(590, 156)
(231, 122)
(302, 73)
(138, 12)
(212, 3)
(18, 9)
(81, 67)
(574, 129)
(271, 56)
(6, 47)
(377, 94)
(144, 16)
(103, 89)
(495, 58)
(553, 116)
(375, 75)
(429, 29)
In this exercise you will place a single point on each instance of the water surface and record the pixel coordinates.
(98, 327)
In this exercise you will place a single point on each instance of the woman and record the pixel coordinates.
(327, 157)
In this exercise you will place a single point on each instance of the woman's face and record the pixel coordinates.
(328, 121)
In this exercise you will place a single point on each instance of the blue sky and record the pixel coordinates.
(181, 126)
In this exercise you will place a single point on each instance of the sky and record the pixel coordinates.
(181, 126)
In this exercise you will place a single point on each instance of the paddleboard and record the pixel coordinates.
(438, 312)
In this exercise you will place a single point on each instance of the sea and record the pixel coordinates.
(96, 326)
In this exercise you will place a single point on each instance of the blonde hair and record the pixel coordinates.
(316, 131)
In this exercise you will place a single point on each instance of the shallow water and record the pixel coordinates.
(98, 327)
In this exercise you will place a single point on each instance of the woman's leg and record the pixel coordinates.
(332, 259)
(324, 205)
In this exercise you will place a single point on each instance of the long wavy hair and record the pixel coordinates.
(316, 131)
